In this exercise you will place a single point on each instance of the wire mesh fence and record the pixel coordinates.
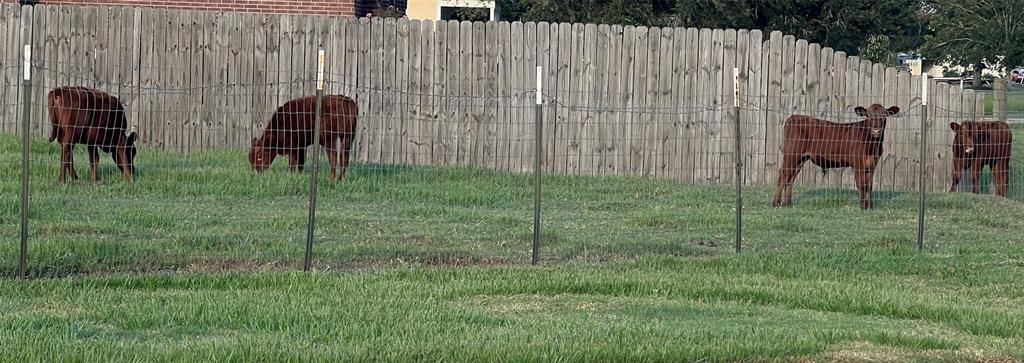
(619, 182)
(439, 162)
(1014, 106)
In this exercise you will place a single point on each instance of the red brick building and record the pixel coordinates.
(317, 7)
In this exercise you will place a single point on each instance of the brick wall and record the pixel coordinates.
(319, 7)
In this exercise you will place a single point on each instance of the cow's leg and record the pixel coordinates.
(1001, 176)
(300, 159)
(788, 198)
(331, 147)
(71, 163)
(293, 160)
(863, 187)
(788, 164)
(122, 163)
(345, 150)
(869, 186)
(958, 167)
(976, 167)
(94, 162)
(65, 160)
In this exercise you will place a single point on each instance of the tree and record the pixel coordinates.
(978, 33)
(625, 12)
(472, 14)
(844, 25)
(878, 49)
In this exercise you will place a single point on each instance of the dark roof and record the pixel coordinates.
(366, 6)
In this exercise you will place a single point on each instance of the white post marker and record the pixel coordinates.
(28, 62)
(924, 90)
(320, 71)
(540, 71)
(736, 87)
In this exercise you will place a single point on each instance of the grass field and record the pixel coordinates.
(432, 264)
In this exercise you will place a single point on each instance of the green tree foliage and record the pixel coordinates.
(983, 33)
(472, 14)
(626, 12)
(844, 25)
(878, 49)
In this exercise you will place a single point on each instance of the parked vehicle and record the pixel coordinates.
(1017, 75)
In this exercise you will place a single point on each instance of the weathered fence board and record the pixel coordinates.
(438, 86)
(627, 72)
(555, 83)
(517, 114)
(490, 102)
(402, 100)
(726, 131)
(682, 161)
(10, 51)
(598, 97)
(750, 104)
(573, 98)
(702, 97)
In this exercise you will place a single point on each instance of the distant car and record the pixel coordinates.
(1017, 75)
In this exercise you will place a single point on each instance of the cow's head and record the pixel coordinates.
(967, 136)
(129, 154)
(876, 115)
(260, 155)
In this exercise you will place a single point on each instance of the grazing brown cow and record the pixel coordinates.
(831, 145)
(290, 131)
(80, 115)
(980, 143)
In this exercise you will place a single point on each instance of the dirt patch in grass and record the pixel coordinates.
(544, 304)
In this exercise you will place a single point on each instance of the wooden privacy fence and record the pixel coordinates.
(619, 100)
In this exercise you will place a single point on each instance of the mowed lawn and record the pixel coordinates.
(196, 261)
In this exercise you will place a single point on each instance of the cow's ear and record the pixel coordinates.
(893, 110)
(954, 126)
(861, 111)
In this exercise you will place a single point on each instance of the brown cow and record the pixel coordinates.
(831, 145)
(290, 131)
(980, 143)
(80, 115)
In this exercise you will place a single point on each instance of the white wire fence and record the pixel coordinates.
(418, 187)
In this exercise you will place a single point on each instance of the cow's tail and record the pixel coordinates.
(53, 107)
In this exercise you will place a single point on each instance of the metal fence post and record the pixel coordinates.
(535, 258)
(26, 114)
(739, 160)
(311, 224)
(922, 188)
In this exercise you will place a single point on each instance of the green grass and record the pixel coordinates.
(752, 307)
(432, 264)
